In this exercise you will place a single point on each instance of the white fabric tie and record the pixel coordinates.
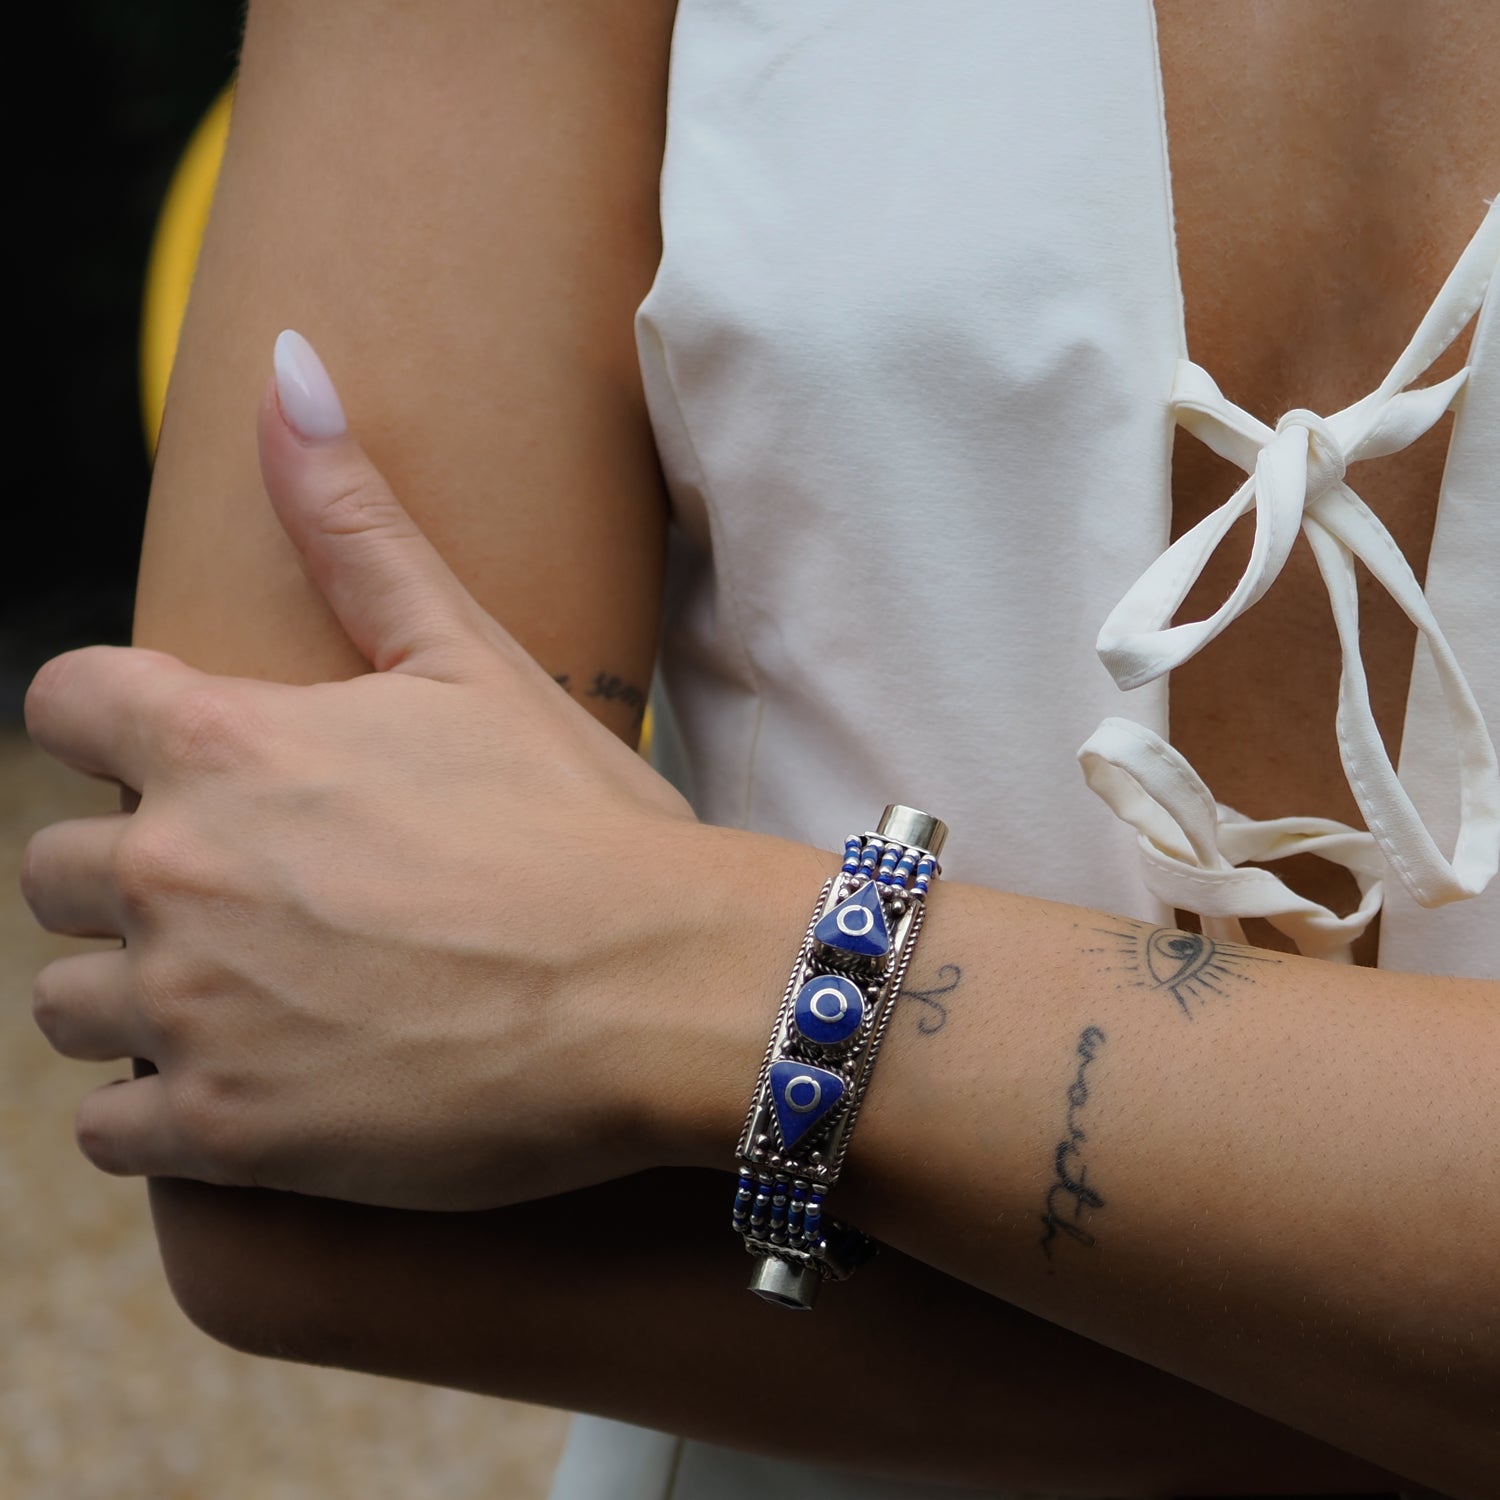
(1296, 479)
(1192, 848)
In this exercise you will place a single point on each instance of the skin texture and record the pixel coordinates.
(552, 493)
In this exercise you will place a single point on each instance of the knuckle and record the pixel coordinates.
(33, 869)
(49, 683)
(143, 866)
(98, 1144)
(203, 728)
(57, 678)
(46, 1006)
(159, 993)
(207, 1106)
(363, 506)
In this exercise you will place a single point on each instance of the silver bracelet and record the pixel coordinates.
(844, 986)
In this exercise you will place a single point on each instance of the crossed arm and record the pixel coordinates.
(467, 223)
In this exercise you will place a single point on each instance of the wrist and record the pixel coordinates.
(742, 901)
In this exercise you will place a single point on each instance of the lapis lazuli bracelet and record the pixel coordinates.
(844, 986)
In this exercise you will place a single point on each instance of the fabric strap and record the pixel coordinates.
(1296, 479)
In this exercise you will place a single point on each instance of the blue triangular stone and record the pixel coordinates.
(803, 1096)
(857, 926)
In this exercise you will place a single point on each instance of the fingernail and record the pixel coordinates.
(309, 402)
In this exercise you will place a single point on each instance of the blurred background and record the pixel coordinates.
(106, 1391)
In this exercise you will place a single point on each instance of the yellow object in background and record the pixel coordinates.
(174, 257)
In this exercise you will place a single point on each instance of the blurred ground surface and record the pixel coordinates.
(106, 1391)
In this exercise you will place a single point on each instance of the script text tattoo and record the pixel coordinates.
(1070, 1202)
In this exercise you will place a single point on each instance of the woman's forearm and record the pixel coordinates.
(1272, 1176)
(916, 1375)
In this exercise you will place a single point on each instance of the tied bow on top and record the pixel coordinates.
(1191, 846)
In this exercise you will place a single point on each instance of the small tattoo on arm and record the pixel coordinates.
(1185, 965)
(936, 1014)
(617, 690)
(610, 688)
(1070, 1198)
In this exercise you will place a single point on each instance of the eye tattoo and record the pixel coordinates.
(936, 1016)
(1070, 1198)
(1188, 966)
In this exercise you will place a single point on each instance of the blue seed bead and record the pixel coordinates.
(871, 858)
(778, 1214)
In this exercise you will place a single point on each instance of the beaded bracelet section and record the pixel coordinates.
(838, 1001)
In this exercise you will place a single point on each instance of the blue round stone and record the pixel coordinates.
(829, 1009)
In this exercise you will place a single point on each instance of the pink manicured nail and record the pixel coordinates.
(309, 402)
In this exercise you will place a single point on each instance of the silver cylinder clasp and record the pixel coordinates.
(919, 830)
(783, 1283)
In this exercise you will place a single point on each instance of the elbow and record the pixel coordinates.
(245, 1266)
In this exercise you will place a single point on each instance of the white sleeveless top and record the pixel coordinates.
(914, 356)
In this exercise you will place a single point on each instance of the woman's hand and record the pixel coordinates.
(384, 939)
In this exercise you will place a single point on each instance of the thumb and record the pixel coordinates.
(395, 596)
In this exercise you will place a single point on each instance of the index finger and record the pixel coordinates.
(89, 708)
